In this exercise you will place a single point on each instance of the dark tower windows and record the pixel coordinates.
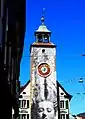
(44, 38)
(40, 39)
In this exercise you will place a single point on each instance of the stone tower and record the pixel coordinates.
(43, 86)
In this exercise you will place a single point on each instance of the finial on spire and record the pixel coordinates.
(42, 19)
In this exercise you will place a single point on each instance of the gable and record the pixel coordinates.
(26, 89)
(63, 91)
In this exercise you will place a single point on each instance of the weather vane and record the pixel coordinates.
(43, 11)
(42, 19)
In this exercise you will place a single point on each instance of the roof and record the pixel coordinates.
(42, 27)
(81, 114)
(68, 95)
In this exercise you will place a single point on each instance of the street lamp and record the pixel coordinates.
(82, 54)
(82, 82)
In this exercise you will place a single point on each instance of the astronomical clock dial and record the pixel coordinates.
(44, 69)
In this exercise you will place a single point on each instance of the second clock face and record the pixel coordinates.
(44, 69)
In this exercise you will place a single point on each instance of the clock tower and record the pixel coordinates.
(42, 69)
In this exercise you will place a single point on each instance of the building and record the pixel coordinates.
(24, 99)
(12, 32)
(24, 110)
(80, 116)
(64, 101)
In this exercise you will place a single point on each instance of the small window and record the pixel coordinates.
(27, 103)
(23, 104)
(27, 116)
(23, 116)
(24, 92)
(67, 116)
(62, 104)
(62, 116)
(43, 50)
(66, 104)
(62, 93)
(20, 103)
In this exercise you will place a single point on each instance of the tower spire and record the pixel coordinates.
(42, 33)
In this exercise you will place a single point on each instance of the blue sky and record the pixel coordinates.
(66, 20)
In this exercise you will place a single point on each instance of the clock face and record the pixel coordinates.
(44, 69)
